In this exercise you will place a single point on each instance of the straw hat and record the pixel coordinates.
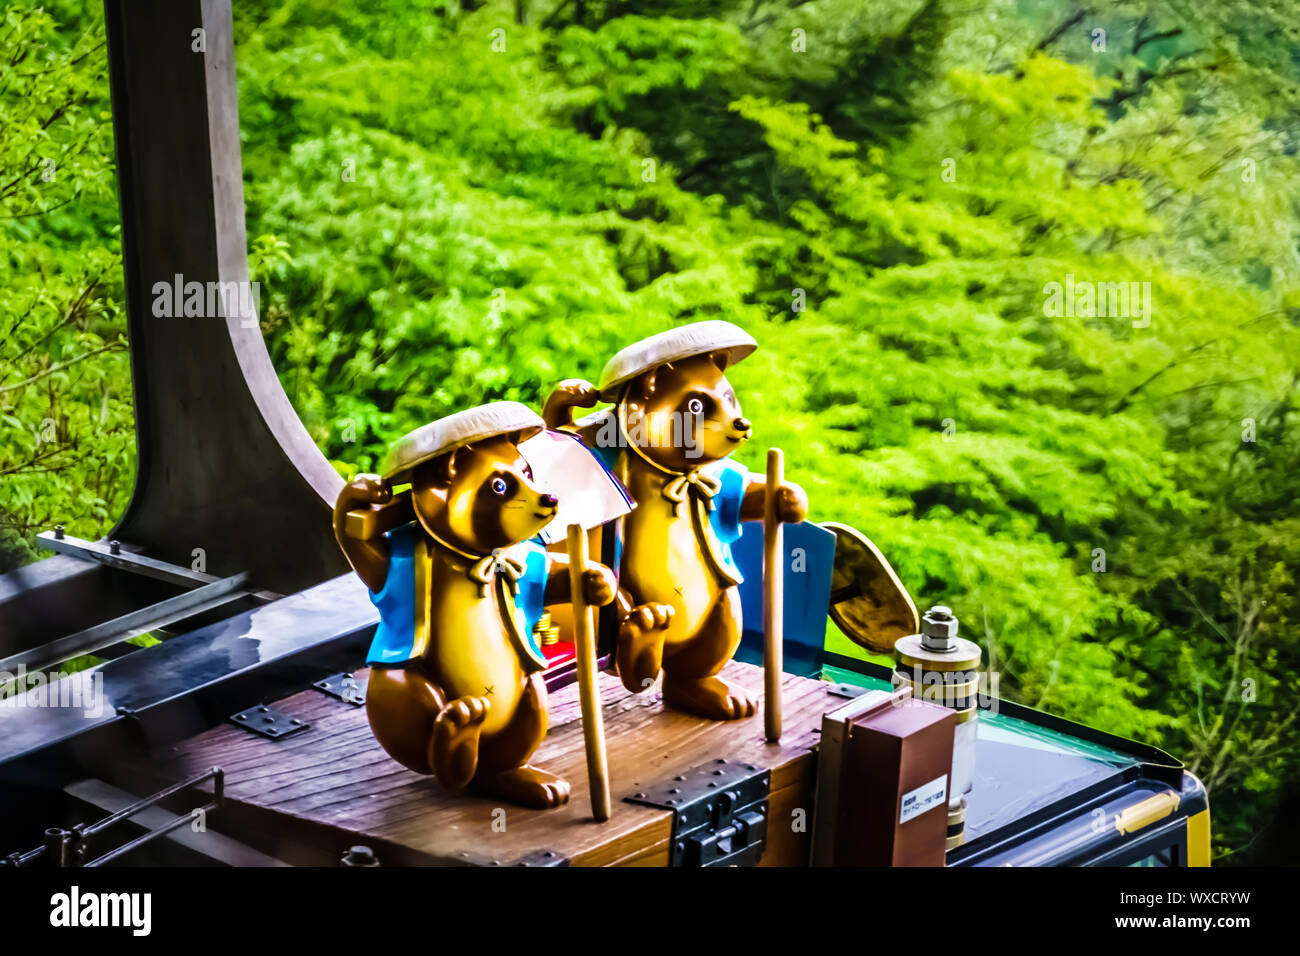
(698, 338)
(462, 428)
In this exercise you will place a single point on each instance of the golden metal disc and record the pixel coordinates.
(868, 602)
(964, 656)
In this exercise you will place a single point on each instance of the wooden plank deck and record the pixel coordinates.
(332, 786)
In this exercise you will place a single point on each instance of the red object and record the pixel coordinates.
(558, 653)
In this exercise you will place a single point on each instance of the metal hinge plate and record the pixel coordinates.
(543, 858)
(265, 722)
(343, 686)
(719, 813)
(534, 859)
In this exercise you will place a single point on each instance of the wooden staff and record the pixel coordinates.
(773, 596)
(584, 642)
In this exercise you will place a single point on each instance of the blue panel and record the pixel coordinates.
(809, 556)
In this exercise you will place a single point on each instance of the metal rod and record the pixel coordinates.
(151, 835)
(102, 553)
(214, 772)
(215, 847)
(65, 847)
(99, 551)
(119, 629)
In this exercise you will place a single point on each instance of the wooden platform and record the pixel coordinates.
(308, 797)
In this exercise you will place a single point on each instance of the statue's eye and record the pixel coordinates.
(499, 485)
(695, 406)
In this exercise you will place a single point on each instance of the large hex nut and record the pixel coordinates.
(938, 627)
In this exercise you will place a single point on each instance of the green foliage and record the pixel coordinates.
(455, 205)
(67, 443)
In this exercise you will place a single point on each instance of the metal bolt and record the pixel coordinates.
(115, 547)
(360, 856)
(58, 531)
(938, 628)
(57, 847)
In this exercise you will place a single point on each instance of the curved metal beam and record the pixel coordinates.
(223, 463)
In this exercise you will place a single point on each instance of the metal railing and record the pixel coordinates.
(67, 847)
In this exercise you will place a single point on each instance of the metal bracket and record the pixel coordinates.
(543, 858)
(343, 686)
(536, 858)
(265, 722)
(113, 555)
(719, 813)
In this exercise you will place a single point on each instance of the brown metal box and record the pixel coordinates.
(882, 786)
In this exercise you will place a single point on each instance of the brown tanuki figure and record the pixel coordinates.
(456, 688)
(674, 424)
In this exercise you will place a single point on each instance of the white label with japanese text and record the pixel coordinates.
(923, 798)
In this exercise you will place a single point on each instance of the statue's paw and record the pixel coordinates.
(465, 712)
(526, 786)
(599, 585)
(365, 489)
(570, 394)
(577, 392)
(557, 792)
(741, 704)
(641, 645)
(791, 503)
(453, 748)
(644, 620)
(710, 697)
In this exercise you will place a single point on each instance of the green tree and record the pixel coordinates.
(67, 446)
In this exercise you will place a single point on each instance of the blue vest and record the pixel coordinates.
(724, 518)
(394, 642)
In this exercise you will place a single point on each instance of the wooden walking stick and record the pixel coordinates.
(593, 724)
(773, 596)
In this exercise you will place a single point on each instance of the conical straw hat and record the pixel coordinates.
(698, 338)
(462, 428)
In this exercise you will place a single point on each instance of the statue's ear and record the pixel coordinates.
(440, 472)
(720, 359)
(645, 385)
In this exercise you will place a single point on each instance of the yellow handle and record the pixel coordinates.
(773, 596)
